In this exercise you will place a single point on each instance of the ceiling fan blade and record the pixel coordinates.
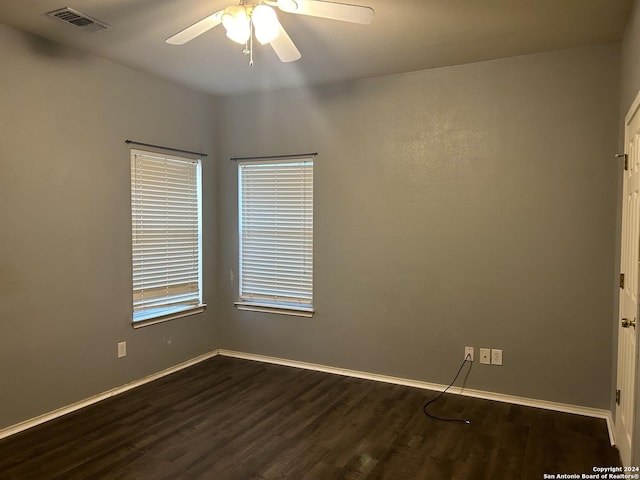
(284, 46)
(332, 10)
(198, 28)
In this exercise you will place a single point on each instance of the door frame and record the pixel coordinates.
(635, 427)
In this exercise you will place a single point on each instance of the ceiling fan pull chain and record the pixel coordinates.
(251, 42)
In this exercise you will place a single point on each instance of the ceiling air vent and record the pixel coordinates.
(78, 19)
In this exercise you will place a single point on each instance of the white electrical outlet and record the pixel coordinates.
(468, 353)
(496, 356)
(485, 356)
(122, 349)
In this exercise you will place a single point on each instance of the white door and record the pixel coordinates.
(630, 245)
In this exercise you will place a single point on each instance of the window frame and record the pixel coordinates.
(162, 313)
(270, 303)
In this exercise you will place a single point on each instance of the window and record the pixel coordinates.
(166, 236)
(275, 203)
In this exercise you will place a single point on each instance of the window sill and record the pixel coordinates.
(270, 308)
(161, 315)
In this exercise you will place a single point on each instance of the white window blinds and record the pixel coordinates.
(165, 206)
(276, 232)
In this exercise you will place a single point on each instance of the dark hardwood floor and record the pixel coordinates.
(227, 419)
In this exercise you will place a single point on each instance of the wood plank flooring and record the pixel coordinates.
(228, 419)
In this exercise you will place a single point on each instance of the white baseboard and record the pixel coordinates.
(19, 427)
(528, 402)
(499, 397)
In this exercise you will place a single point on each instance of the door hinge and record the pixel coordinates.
(626, 159)
(618, 396)
(622, 280)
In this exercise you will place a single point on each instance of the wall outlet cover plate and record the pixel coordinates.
(485, 356)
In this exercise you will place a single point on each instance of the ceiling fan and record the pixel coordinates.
(258, 18)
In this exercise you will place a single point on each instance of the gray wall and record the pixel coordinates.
(468, 205)
(65, 242)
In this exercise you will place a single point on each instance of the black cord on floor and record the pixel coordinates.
(424, 408)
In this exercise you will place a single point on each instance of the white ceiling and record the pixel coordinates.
(406, 35)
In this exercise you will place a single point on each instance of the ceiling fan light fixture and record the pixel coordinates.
(239, 35)
(265, 23)
(237, 24)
